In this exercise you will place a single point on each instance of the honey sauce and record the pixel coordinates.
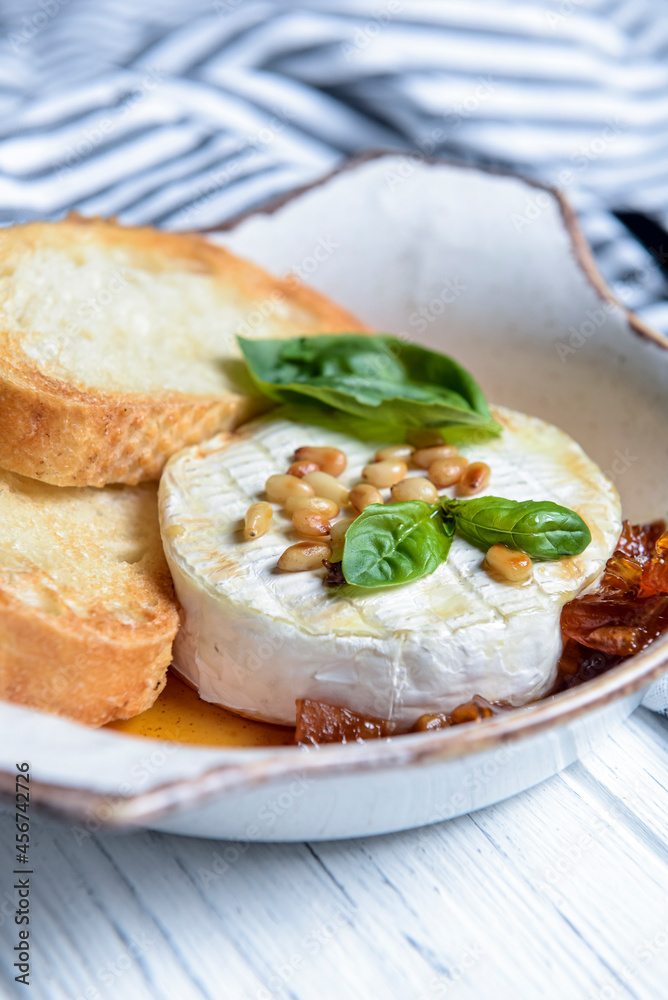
(180, 715)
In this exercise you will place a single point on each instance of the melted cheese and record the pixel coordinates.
(255, 639)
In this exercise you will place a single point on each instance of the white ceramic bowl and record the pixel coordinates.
(493, 270)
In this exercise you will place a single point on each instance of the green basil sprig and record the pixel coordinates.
(400, 542)
(373, 386)
(395, 543)
(542, 529)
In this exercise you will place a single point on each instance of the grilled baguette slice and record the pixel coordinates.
(117, 346)
(87, 612)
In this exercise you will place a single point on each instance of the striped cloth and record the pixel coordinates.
(184, 114)
(187, 114)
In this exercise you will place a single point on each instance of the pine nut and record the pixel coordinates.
(310, 522)
(300, 469)
(320, 504)
(324, 485)
(281, 486)
(511, 564)
(330, 460)
(402, 451)
(427, 722)
(475, 478)
(424, 457)
(415, 488)
(362, 495)
(447, 471)
(304, 555)
(258, 520)
(386, 473)
(339, 528)
(425, 438)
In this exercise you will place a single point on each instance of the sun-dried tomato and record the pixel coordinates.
(627, 612)
(638, 540)
(622, 572)
(318, 722)
(579, 664)
(654, 579)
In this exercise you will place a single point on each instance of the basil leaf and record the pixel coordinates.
(379, 380)
(397, 543)
(542, 529)
(326, 416)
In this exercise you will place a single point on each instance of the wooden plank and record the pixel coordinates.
(89, 935)
(560, 892)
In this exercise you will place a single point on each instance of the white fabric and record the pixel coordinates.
(657, 696)
(185, 114)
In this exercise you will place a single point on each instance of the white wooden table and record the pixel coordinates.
(561, 893)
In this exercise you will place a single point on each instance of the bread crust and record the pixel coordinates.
(54, 432)
(87, 608)
(88, 674)
(66, 435)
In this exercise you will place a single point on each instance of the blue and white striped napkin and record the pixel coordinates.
(185, 114)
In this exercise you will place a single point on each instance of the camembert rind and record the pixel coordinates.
(255, 639)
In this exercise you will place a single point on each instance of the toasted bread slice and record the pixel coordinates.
(87, 612)
(117, 346)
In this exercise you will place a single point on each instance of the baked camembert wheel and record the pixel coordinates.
(262, 629)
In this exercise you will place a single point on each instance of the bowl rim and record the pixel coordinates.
(411, 749)
(581, 249)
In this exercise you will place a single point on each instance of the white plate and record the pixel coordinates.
(493, 270)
